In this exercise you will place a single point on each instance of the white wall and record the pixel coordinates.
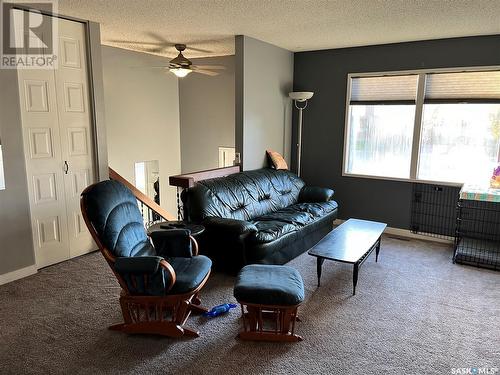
(206, 115)
(264, 77)
(142, 116)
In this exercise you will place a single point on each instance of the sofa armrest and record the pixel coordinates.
(314, 194)
(230, 226)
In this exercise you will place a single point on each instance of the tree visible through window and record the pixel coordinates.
(455, 114)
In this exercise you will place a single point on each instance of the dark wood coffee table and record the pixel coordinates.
(351, 242)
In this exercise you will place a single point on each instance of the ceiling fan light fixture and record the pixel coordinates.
(181, 72)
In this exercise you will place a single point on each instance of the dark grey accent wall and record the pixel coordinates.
(325, 73)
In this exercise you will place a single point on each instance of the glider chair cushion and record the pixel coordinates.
(113, 211)
(173, 243)
(168, 269)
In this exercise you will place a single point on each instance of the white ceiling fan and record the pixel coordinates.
(181, 66)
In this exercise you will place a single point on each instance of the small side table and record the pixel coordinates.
(195, 229)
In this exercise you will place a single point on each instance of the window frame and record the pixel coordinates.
(417, 126)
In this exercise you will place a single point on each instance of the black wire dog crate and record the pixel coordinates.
(477, 237)
(433, 210)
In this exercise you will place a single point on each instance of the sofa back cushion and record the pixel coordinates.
(244, 195)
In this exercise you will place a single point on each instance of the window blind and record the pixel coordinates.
(463, 86)
(400, 88)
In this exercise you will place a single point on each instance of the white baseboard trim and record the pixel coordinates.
(405, 233)
(17, 274)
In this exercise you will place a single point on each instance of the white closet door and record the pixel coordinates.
(58, 148)
(75, 129)
(42, 149)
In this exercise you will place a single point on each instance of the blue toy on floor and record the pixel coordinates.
(219, 310)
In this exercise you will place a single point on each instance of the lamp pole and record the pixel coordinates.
(298, 98)
(299, 134)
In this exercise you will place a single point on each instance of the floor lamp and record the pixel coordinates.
(300, 99)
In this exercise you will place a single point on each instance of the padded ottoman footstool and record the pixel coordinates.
(269, 296)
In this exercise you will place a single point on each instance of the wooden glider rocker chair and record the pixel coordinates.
(160, 280)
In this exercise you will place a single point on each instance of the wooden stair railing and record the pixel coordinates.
(147, 201)
(188, 180)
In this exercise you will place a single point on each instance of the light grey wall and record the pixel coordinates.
(264, 77)
(142, 116)
(98, 102)
(16, 246)
(206, 106)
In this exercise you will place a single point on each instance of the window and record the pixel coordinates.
(432, 126)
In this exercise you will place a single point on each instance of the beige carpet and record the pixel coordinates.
(415, 313)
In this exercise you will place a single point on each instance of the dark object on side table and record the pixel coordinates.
(194, 229)
(161, 281)
(263, 216)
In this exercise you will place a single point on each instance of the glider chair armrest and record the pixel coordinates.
(148, 275)
(167, 267)
(174, 243)
(315, 194)
(138, 265)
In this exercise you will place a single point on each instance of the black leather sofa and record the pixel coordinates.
(263, 216)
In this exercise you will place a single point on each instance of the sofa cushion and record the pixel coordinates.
(291, 244)
(287, 215)
(270, 230)
(276, 224)
(317, 210)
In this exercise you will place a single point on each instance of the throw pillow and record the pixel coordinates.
(276, 161)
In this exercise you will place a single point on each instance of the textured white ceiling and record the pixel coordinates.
(297, 25)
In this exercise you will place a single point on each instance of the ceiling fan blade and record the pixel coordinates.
(213, 67)
(189, 48)
(151, 67)
(160, 38)
(119, 41)
(206, 72)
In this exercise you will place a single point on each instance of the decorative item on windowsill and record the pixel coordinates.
(495, 178)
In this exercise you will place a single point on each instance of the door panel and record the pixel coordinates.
(74, 120)
(40, 143)
(58, 148)
(43, 166)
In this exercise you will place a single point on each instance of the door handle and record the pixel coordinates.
(66, 167)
